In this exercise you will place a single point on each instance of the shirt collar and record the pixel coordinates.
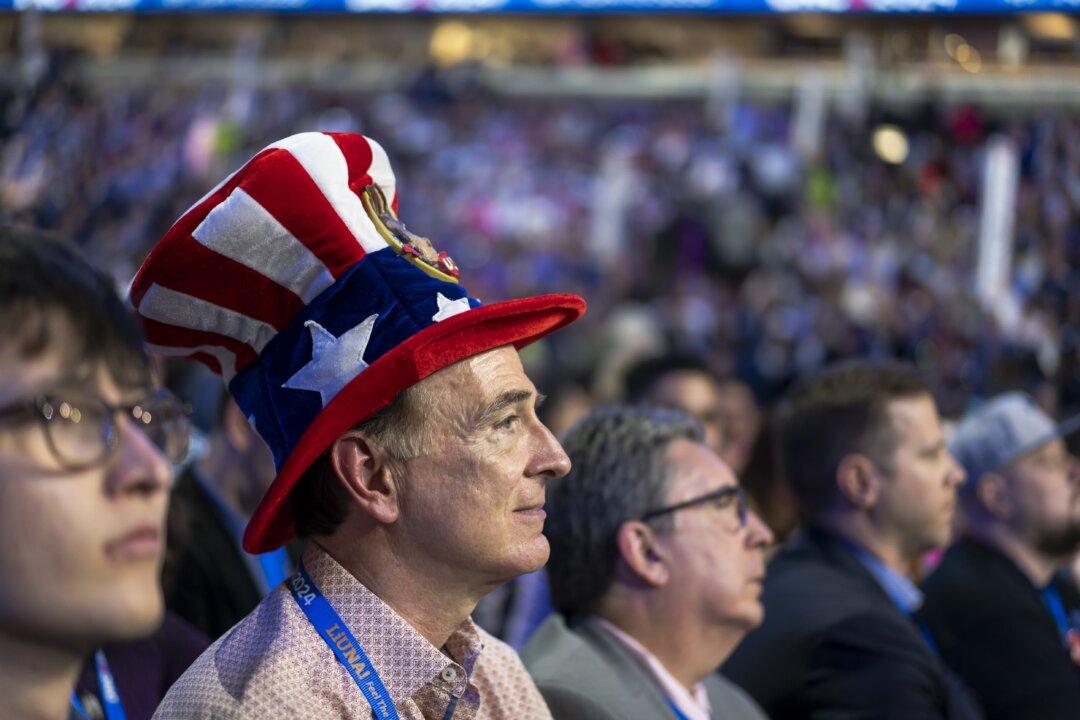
(694, 706)
(404, 658)
(903, 593)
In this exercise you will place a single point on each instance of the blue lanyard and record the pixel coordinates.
(675, 709)
(110, 698)
(273, 565)
(1054, 603)
(336, 634)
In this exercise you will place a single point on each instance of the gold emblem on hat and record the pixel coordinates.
(414, 248)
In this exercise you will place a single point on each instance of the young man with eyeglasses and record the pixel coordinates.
(656, 570)
(85, 444)
(863, 449)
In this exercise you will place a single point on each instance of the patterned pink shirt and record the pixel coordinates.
(274, 666)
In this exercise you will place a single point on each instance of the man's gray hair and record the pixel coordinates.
(319, 500)
(619, 473)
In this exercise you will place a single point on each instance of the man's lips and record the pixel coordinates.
(139, 543)
(536, 510)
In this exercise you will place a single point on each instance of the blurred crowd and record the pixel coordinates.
(704, 224)
(734, 265)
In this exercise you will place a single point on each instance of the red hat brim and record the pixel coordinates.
(514, 322)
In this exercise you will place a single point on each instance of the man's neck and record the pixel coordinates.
(689, 652)
(434, 605)
(1038, 568)
(866, 537)
(36, 680)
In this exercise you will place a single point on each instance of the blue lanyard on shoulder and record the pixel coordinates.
(1056, 606)
(110, 698)
(332, 629)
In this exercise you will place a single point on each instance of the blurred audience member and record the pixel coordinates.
(862, 446)
(209, 579)
(997, 611)
(740, 419)
(656, 568)
(682, 382)
(85, 444)
(770, 495)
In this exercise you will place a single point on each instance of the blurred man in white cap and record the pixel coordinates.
(403, 430)
(996, 609)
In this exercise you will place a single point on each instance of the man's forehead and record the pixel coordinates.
(695, 469)
(480, 379)
(916, 416)
(52, 373)
(1052, 449)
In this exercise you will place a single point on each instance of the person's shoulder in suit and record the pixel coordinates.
(731, 702)
(821, 610)
(574, 677)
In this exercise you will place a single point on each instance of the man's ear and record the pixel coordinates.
(858, 481)
(993, 493)
(642, 559)
(367, 476)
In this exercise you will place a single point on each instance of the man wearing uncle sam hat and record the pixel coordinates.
(402, 425)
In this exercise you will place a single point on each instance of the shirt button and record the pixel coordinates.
(449, 674)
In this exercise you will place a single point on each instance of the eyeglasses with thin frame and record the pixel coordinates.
(721, 498)
(84, 431)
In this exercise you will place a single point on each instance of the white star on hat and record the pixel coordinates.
(448, 307)
(335, 361)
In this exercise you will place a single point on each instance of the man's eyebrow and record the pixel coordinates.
(502, 402)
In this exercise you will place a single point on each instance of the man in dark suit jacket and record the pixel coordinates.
(998, 615)
(862, 447)
(657, 563)
(208, 579)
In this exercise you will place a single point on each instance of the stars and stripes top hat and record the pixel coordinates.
(296, 282)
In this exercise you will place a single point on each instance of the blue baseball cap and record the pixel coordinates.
(1001, 430)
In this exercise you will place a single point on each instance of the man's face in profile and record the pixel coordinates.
(716, 550)
(474, 498)
(697, 395)
(1045, 487)
(918, 497)
(82, 547)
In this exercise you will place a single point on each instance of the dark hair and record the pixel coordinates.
(619, 473)
(319, 501)
(42, 278)
(839, 411)
(642, 376)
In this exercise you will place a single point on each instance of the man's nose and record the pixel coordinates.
(140, 466)
(758, 533)
(549, 458)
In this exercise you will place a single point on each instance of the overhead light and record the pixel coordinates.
(890, 144)
(972, 61)
(1050, 26)
(952, 42)
(451, 43)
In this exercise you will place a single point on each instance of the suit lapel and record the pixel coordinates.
(642, 690)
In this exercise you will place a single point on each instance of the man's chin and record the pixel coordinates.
(1061, 543)
(532, 555)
